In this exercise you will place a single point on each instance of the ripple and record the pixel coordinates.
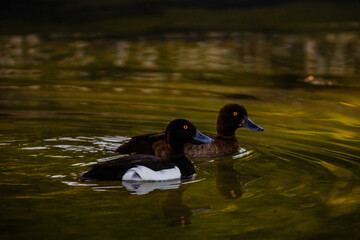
(339, 172)
(51, 140)
(57, 176)
(70, 139)
(77, 184)
(193, 181)
(83, 164)
(34, 148)
(106, 188)
(243, 152)
(79, 144)
(52, 156)
(77, 148)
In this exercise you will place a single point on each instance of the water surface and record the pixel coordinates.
(67, 101)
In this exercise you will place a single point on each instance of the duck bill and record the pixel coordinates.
(201, 138)
(251, 125)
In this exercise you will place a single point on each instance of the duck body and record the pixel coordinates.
(220, 147)
(142, 167)
(231, 117)
(145, 167)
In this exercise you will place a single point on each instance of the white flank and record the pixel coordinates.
(142, 173)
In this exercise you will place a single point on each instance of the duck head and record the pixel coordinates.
(233, 116)
(181, 131)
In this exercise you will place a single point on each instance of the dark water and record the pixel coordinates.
(69, 101)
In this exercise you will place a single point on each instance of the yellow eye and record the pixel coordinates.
(185, 126)
(235, 113)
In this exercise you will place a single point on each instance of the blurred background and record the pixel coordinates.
(78, 78)
(131, 18)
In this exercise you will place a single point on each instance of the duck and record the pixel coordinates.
(144, 167)
(230, 118)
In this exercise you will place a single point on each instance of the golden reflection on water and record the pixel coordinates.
(343, 199)
(68, 103)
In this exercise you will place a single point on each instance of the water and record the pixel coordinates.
(68, 101)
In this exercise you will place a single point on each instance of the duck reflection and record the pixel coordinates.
(176, 212)
(229, 182)
(141, 188)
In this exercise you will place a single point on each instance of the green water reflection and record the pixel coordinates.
(69, 101)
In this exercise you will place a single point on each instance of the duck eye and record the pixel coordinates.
(185, 127)
(235, 113)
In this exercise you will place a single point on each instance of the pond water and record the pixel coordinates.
(67, 101)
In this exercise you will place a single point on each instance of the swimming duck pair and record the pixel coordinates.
(164, 156)
(231, 117)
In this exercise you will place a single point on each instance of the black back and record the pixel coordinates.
(116, 168)
(141, 144)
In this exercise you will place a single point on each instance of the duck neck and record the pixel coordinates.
(224, 130)
(221, 136)
(225, 133)
(186, 168)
